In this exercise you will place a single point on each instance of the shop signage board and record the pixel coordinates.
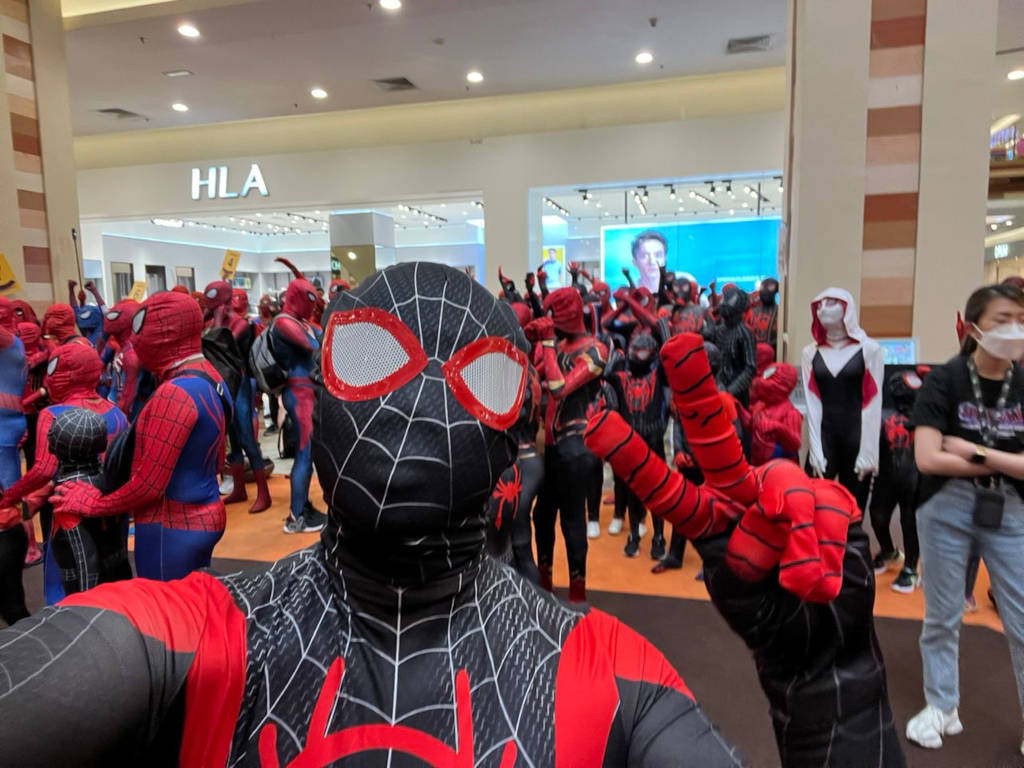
(216, 183)
(229, 265)
(8, 282)
(138, 291)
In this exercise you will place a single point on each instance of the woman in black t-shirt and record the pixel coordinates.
(969, 448)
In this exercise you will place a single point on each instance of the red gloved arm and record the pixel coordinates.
(640, 312)
(162, 429)
(293, 332)
(786, 430)
(42, 471)
(692, 510)
(706, 418)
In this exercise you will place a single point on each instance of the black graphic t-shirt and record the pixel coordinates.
(946, 402)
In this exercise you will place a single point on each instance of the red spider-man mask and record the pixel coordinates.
(59, 321)
(337, 286)
(216, 294)
(300, 299)
(604, 294)
(423, 372)
(24, 312)
(7, 319)
(30, 334)
(522, 312)
(775, 384)
(166, 329)
(240, 301)
(74, 369)
(117, 321)
(566, 308)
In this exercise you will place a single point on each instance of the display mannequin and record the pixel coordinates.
(842, 373)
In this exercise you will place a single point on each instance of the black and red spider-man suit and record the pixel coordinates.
(687, 315)
(393, 642)
(786, 563)
(571, 374)
(763, 316)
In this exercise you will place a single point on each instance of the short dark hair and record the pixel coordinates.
(648, 234)
(978, 302)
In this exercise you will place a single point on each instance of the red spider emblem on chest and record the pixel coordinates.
(639, 393)
(506, 493)
(324, 748)
(896, 432)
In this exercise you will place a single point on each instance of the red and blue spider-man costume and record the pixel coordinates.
(70, 382)
(131, 383)
(13, 541)
(395, 641)
(179, 445)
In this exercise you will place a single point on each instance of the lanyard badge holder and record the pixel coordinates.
(989, 500)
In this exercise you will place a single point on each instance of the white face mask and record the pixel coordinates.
(1005, 341)
(831, 315)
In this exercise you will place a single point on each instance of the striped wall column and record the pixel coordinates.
(892, 165)
(35, 149)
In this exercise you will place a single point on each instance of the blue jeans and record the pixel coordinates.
(948, 535)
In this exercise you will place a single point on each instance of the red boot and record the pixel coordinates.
(262, 500)
(545, 578)
(237, 494)
(578, 591)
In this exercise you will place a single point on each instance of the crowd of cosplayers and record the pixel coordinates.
(144, 418)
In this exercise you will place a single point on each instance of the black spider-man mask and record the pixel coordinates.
(903, 387)
(423, 372)
(733, 306)
(642, 353)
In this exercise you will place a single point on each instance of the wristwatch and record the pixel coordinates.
(980, 454)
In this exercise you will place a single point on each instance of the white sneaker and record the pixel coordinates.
(928, 726)
(593, 529)
(227, 486)
(643, 530)
(615, 526)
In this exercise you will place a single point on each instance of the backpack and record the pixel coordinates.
(117, 461)
(270, 376)
(221, 351)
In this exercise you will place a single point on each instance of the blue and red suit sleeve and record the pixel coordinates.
(293, 333)
(618, 702)
(117, 674)
(42, 471)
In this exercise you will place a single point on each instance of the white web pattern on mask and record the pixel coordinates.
(497, 592)
(77, 434)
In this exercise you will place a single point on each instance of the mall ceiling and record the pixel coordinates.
(262, 59)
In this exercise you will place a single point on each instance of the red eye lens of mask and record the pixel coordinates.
(488, 378)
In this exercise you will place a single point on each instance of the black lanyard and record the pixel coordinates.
(986, 427)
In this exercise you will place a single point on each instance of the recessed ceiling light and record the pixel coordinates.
(390, 5)
(352, 255)
(179, 107)
(187, 30)
(318, 93)
(178, 73)
(474, 77)
(993, 226)
(1015, 74)
(644, 57)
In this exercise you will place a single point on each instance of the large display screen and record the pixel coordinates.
(741, 252)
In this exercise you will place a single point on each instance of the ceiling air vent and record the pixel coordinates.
(749, 44)
(395, 84)
(121, 114)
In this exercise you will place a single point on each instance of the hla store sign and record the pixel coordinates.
(216, 183)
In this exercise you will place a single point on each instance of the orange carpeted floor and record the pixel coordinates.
(259, 537)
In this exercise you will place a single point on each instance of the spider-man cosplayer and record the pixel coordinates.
(178, 447)
(395, 641)
(772, 422)
(131, 383)
(13, 541)
(23, 312)
(295, 342)
(71, 377)
(687, 315)
(59, 325)
(89, 319)
(898, 480)
(787, 565)
(733, 339)
(241, 431)
(571, 373)
(640, 391)
(763, 316)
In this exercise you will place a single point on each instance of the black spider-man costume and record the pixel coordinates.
(786, 563)
(393, 641)
(733, 339)
(571, 373)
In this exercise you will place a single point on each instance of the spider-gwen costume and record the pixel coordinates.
(295, 341)
(13, 541)
(787, 565)
(178, 447)
(218, 298)
(70, 382)
(571, 375)
(394, 641)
